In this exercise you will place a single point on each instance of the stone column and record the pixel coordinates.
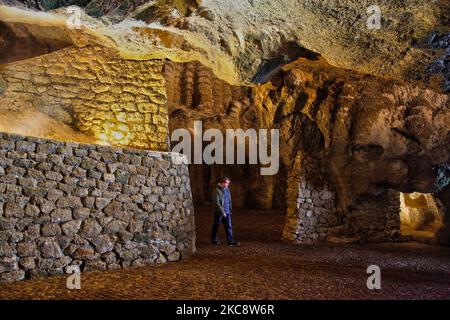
(311, 202)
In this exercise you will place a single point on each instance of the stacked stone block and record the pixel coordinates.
(120, 102)
(376, 218)
(314, 215)
(67, 204)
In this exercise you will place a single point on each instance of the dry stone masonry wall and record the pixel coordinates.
(97, 207)
(121, 102)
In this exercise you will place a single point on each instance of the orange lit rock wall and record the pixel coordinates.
(118, 102)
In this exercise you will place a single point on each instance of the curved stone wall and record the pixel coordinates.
(115, 101)
(96, 207)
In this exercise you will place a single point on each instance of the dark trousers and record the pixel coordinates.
(218, 220)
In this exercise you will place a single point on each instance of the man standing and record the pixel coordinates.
(222, 212)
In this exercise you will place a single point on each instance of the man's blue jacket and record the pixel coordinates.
(219, 201)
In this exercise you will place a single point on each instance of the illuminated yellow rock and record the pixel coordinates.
(242, 42)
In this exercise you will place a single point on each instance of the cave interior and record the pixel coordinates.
(364, 130)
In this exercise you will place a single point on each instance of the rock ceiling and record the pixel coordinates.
(245, 41)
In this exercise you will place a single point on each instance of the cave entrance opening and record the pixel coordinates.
(421, 216)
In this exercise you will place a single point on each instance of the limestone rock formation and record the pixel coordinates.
(350, 139)
(421, 216)
(363, 112)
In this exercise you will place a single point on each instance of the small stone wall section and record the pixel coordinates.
(121, 102)
(314, 214)
(96, 207)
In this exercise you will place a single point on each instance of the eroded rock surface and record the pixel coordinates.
(65, 205)
(362, 112)
(246, 41)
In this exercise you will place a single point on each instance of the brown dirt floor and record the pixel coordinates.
(263, 267)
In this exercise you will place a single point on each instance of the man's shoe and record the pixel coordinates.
(216, 243)
(234, 244)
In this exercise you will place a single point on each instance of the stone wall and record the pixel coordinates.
(97, 207)
(121, 102)
(360, 139)
(313, 212)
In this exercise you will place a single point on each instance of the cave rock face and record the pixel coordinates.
(246, 41)
(358, 93)
(350, 143)
(353, 142)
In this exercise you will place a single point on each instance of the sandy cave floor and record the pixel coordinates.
(263, 267)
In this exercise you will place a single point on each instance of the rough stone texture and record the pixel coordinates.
(2, 86)
(353, 139)
(90, 89)
(246, 41)
(48, 224)
(314, 214)
(421, 216)
(194, 93)
(311, 202)
(367, 137)
(349, 141)
(260, 35)
(263, 267)
(444, 233)
(26, 41)
(372, 222)
(441, 42)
